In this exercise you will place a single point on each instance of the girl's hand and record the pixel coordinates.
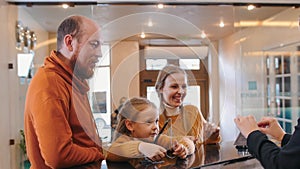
(152, 151)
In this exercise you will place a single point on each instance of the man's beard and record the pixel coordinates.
(78, 69)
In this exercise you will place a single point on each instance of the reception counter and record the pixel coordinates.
(223, 156)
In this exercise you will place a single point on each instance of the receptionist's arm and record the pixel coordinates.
(267, 152)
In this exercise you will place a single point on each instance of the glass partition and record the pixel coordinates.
(252, 62)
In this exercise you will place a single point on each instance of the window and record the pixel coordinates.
(189, 64)
(24, 64)
(100, 96)
(155, 64)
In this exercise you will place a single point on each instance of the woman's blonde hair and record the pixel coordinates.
(130, 110)
(162, 76)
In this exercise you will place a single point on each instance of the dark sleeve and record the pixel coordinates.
(273, 157)
(286, 139)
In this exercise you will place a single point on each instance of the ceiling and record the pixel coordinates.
(184, 22)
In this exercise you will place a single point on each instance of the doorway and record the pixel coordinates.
(198, 81)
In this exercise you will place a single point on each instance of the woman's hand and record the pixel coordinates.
(180, 150)
(211, 133)
(192, 138)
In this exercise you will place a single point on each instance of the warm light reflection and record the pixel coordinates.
(45, 43)
(240, 40)
(271, 53)
(266, 24)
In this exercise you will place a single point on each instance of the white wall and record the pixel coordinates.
(12, 91)
(214, 83)
(9, 121)
(124, 70)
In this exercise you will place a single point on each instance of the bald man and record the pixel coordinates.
(59, 128)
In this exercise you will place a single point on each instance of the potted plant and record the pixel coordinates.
(26, 161)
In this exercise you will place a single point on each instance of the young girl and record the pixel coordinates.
(136, 132)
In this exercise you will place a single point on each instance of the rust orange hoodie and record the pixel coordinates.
(59, 127)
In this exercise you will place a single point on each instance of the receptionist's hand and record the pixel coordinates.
(270, 125)
(246, 124)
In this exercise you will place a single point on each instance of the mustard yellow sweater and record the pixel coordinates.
(190, 122)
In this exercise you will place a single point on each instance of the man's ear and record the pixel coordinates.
(161, 90)
(129, 125)
(68, 42)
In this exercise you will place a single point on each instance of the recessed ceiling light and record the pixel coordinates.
(150, 23)
(221, 24)
(65, 6)
(203, 35)
(143, 35)
(250, 7)
(160, 6)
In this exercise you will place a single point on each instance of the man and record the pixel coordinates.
(59, 127)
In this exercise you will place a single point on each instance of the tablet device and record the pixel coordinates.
(240, 143)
